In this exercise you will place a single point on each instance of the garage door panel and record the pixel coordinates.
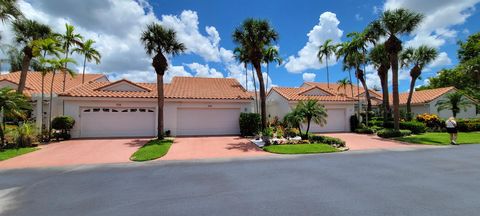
(336, 122)
(112, 122)
(207, 121)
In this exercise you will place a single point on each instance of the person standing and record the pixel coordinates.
(451, 125)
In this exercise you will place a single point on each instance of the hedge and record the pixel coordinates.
(249, 123)
(327, 140)
(365, 130)
(468, 125)
(388, 133)
(414, 126)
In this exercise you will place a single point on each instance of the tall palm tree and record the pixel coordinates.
(47, 46)
(254, 79)
(241, 57)
(254, 36)
(53, 65)
(378, 56)
(324, 52)
(158, 42)
(271, 55)
(9, 11)
(11, 104)
(27, 31)
(343, 83)
(393, 24)
(343, 51)
(455, 102)
(417, 58)
(311, 110)
(69, 39)
(89, 54)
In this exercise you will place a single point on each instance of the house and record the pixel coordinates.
(193, 106)
(424, 101)
(340, 107)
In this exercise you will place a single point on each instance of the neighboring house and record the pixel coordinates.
(339, 107)
(193, 106)
(33, 90)
(424, 101)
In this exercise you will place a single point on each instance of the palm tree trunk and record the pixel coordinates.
(160, 106)
(255, 89)
(267, 78)
(246, 77)
(383, 74)
(328, 75)
(396, 100)
(25, 65)
(263, 106)
(50, 105)
(367, 93)
(351, 82)
(308, 127)
(65, 73)
(83, 73)
(2, 133)
(42, 97)
(409, 99)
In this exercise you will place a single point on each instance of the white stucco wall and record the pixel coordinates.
(469, 113)
(73, 106)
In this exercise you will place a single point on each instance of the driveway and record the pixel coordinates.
(372, 142)
(77, 152)
(188, 148)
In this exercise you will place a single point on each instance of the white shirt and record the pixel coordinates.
(451, 123)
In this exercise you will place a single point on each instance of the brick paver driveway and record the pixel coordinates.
(77, 152)
(371, 142)
(187, 148)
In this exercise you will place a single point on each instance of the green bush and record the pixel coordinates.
(327, 140)
(468, 125)
(24, 135)
(63, 124)
(388, 133)
(414, 126)
(353, 123)
(377, 123)
(366, 130)
(249, 124)
(292, 132)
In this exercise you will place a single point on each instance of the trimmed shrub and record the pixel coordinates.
(468, 125)
(249, 123)
(353, 123)
(63, 124)
(388, 133)
(414, 126)
(365, 130)
(431, 120)
(378, 123)
(292, 132)
(327, 140)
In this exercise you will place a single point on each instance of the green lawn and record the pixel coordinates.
(152, 150)
(442, 138)
(300, 149)
(10, 153)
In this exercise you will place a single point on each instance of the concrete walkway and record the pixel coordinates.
(189, 148)
(77, 152)
(371, 142)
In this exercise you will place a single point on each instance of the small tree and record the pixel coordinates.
(454, 102)
(12, 104)
(312, 111)
(64, 124)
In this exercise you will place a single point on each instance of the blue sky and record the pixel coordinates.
(205, 27)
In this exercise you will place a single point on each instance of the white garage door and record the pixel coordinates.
(117, 122)
(336, 122)
(207, 121)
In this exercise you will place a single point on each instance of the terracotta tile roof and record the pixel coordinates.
(423, 96)
(295, 94)
(179, 88)
(334, 89)
(33, 83)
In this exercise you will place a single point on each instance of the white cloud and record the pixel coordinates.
(306, 58)
(204, 70)
(308, 77)
(441, 60)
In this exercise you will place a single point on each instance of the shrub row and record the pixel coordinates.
(366, 130)
(249, 123)
(327, 140)
(414, 126)
(388, 133)
(468, 125)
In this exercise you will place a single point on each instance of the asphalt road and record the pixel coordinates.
(422, 182)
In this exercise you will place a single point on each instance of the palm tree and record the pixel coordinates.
(393, 24)
(358, 51)
(11, 104)
(271, 55)
(47, 46)
(158, 42)
(418, 58)
(378, 56)
(255, 36)
(324, 52)
(69, 39)
(241, 57)
(27, 31)
(312, 111)
(343, 50)
(53, 65)
(343, 83)
(455, 102)
(9, 11)
(89, 54)
(293, 119)
(255, 90)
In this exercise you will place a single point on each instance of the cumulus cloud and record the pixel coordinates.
(441, 60)
(306, 58)
(308, 77)
(204, 70)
